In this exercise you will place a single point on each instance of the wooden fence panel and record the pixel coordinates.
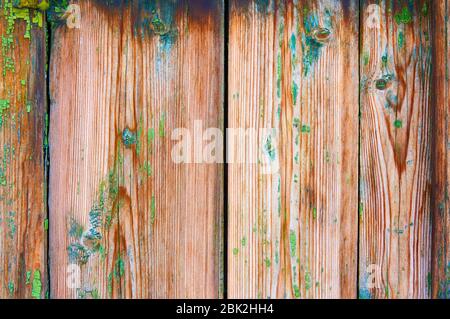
(395, 217)
(441, 147)
(293, 67)
(23, 209)
(123, 214)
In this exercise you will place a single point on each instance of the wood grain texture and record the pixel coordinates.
(23, 210)
(395, 217)
(137, 224)
(441, 148)
(293, 67)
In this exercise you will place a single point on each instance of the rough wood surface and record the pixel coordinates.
(395, 218)
(441, 148)
(23, 210)
(293, 67)
(137, 224)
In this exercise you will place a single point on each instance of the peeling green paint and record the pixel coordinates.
(36, 285)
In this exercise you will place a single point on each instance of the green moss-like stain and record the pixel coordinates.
(314, 210)
(152, 210)
(404, 16)
(293, 242)
(312, 41)
(401, 39)
(424, 9)
(128, 137)
(44, 5)
(119, 268)
(36, 286)
(267, 262)
(398, 124)
(361, 209)
(46, 224)
(384, 60)
(235, 251)
(269, 148)
(78, 254)
(162, 125)
(75, 229)
(307, 280)
(294, 92)
(366, 58)
(296, 291)
(11, 288)
(306, 128)
(244, 241)
(28, 277)
(4, 105)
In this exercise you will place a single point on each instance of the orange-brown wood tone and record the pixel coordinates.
(23, 210)
(395, 156)
(293, 67)
(441, 146)
(124, 216)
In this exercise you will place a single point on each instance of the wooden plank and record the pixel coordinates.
(137, 224)
(441, 147)
(395, 219)
(23, 210)
(293, 68)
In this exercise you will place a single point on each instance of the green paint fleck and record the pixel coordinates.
(398, 124)
(314, 213)
(296, 291)
(308, 280)
(119, 268)
(361, 209)
(366, 58)
(293, 242)
(11, 288)
(28, 277)
(401, 39)
(294, 92)
(244, 241)
(36, 286)
(162, 124)
(46, 224)
(306, 128)
(425, 9)
(269, 148)
(152, 210)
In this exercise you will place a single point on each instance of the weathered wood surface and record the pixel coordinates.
(137, 224)
(23, 210)
(395, 216)
(293, 67)
(441, 148)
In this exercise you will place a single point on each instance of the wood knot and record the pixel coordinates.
(128, 137)
(321, 35)
(383, 83)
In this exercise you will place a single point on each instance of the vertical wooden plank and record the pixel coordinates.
(23, 211)
(395, 220)
(441, 147)
(293, 68)
(137, 224)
